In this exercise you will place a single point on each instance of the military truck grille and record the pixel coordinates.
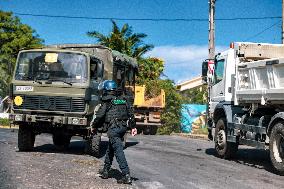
(53, 103)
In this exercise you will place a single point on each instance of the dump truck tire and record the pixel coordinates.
(154, 129)
(26, 138)
(61, 141)
(276, 147)
(224, 149)
(147, 130)
(93, 145)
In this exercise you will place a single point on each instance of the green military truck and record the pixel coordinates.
(56, 90)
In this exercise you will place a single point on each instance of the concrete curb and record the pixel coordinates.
(193, 136)
(8, 127)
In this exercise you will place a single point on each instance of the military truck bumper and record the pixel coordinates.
(54, 120)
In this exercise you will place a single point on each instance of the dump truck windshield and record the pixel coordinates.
(52, 66)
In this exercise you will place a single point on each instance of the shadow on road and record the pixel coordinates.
(76, 147)
(250, 157)
(116, 174)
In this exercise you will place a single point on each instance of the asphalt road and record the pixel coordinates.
(155, 162)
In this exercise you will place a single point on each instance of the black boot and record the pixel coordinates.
(104, 173)
(126, 179)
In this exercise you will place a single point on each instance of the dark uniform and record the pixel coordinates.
(118, 117)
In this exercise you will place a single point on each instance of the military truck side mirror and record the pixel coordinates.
(204, 71)
(100, 70)
(118, 75)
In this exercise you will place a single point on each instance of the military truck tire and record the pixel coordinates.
(93, 145)
(224, 149)
(61, 141)
(26, 138)
(276, 147)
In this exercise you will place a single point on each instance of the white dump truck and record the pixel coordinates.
(246, 99)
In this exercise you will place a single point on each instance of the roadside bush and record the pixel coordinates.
(171, 115)
(4, 122)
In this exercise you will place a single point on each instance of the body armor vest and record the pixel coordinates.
(117, 110)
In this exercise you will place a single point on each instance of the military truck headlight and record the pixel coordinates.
(18, 117)
(75, 121)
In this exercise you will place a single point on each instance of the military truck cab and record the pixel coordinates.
(56, 90)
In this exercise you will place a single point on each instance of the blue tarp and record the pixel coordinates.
(191, 114)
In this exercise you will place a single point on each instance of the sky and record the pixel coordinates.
(181, 44)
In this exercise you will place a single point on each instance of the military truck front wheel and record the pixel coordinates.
(224, 148)
(276, 147)
(93, 145)
(61, 141)
(26, 138)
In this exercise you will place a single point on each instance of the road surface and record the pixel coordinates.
(155, 162)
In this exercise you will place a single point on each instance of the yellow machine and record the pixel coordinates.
(148, 110)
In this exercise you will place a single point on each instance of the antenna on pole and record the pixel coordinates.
(211, 42)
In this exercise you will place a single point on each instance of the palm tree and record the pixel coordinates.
(123, 40)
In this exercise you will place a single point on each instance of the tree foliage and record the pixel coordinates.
(123, 40)
(171, 115)
(14, 36)
(195, 96)
(149, 69)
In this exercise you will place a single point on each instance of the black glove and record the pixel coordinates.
(131, 122)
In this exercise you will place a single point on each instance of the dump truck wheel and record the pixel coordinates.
(147, 130)
(224, 148)
(61, 141)
(154, 129)
(276, 147)
(26, 138)
(93, 145)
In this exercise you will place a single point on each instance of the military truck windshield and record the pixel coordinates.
(52, 66)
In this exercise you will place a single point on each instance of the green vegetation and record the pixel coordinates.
(123, 40)
(4, 122)
(196, 95)
(14, 36)
(150, 69)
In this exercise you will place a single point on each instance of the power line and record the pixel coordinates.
(261, 32)
(147, 19)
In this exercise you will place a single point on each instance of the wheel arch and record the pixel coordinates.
(275, 119)
(222, 110)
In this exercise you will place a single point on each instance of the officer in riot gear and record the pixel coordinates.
(118, 117)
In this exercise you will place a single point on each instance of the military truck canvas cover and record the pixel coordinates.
(124, 59)
(101, 52)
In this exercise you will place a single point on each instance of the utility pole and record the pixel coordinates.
(282, 21)
(211, 42)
